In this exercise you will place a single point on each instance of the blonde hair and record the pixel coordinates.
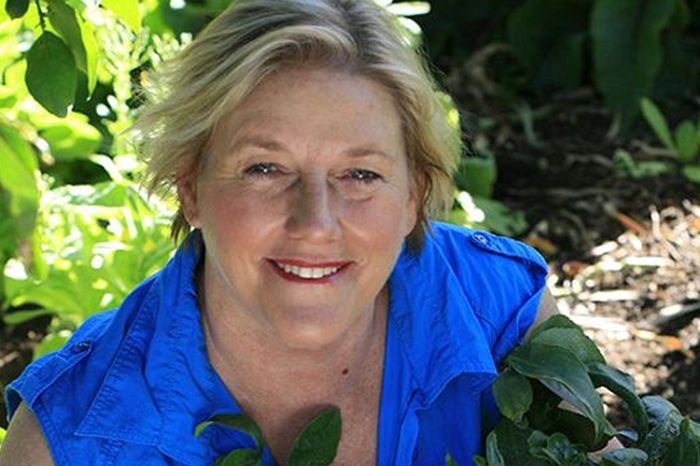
(253, 38)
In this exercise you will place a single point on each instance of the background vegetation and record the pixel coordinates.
(78, 232)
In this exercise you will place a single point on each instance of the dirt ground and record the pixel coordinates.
(624, 253)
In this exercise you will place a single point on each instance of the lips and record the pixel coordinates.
(308, 270)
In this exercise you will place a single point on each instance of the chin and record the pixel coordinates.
(308, 336)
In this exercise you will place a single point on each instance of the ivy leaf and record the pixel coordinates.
(51, 74)
(622, 385)
(513, 394)
(240, 457)
(234, 421)
(16, 8)
(127, 11)
(317, 444)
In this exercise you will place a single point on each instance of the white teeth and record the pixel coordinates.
(308, 272)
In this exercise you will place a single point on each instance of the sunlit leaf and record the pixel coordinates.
(51, 74)
(409, 8)
(127, 11)
(513, 394)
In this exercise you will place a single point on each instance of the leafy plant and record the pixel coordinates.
(316, 445)
(560, 364)
(684, 143)
(2, 436)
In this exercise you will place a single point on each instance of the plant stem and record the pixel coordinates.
(42, 21)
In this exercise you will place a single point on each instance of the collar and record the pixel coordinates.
(438, 330)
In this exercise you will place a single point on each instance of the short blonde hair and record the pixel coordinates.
(251, 39)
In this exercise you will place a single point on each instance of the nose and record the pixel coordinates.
(313, 216)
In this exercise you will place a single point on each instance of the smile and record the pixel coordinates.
(306, 272)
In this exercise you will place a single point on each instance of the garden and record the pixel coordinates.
(581, 126)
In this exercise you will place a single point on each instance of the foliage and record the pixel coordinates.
(2, 436)
(684, 143)
(625, 49)
(560, 364)
(316, 445)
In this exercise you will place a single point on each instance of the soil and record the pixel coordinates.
(624, 253)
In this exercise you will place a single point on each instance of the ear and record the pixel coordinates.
(187, 195)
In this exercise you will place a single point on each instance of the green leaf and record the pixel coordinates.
(240, 457)
(627, 51)
(548, 36)
(558, 449)
(79, 36)
(556, 321)
(51, 74)
(513, 444)
(561, 372)
(19, 317)
(71, 138)
(622, 385)
(686, 141)
(449, 461)
(692, 173)
(317, 444)
(239, 422)
(18, 179)
(493, 455)
(477, 175)
(665, 420)
(16, 8)
(656, 120)
(127, 11)
(685, 449)
(625, 457)
(513, 394)
(572, 339)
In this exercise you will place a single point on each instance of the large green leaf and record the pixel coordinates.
(547, 35)
(572, 339)
(127, 11)
(627, 51)
(561, 372)
(16, 8)
(513, 394)
(317, 444)
(622, 385)
(51, 74)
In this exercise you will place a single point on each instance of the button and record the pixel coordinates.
(81, 347)
(481, 238)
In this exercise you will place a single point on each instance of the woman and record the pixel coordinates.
(308, 151)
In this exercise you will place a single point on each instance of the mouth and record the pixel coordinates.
(307, 272)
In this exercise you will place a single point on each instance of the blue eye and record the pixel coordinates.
(261, 169)
(363, 176)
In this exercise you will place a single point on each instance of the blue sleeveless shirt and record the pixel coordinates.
(131, 384)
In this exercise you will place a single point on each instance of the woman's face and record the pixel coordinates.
(303, 202)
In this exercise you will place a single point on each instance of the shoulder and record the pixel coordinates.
(25, 444)
(502, 279)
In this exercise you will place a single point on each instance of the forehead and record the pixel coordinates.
(315, 106)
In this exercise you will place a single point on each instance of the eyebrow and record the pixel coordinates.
(276, 146)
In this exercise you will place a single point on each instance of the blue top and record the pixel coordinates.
(131, 384)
